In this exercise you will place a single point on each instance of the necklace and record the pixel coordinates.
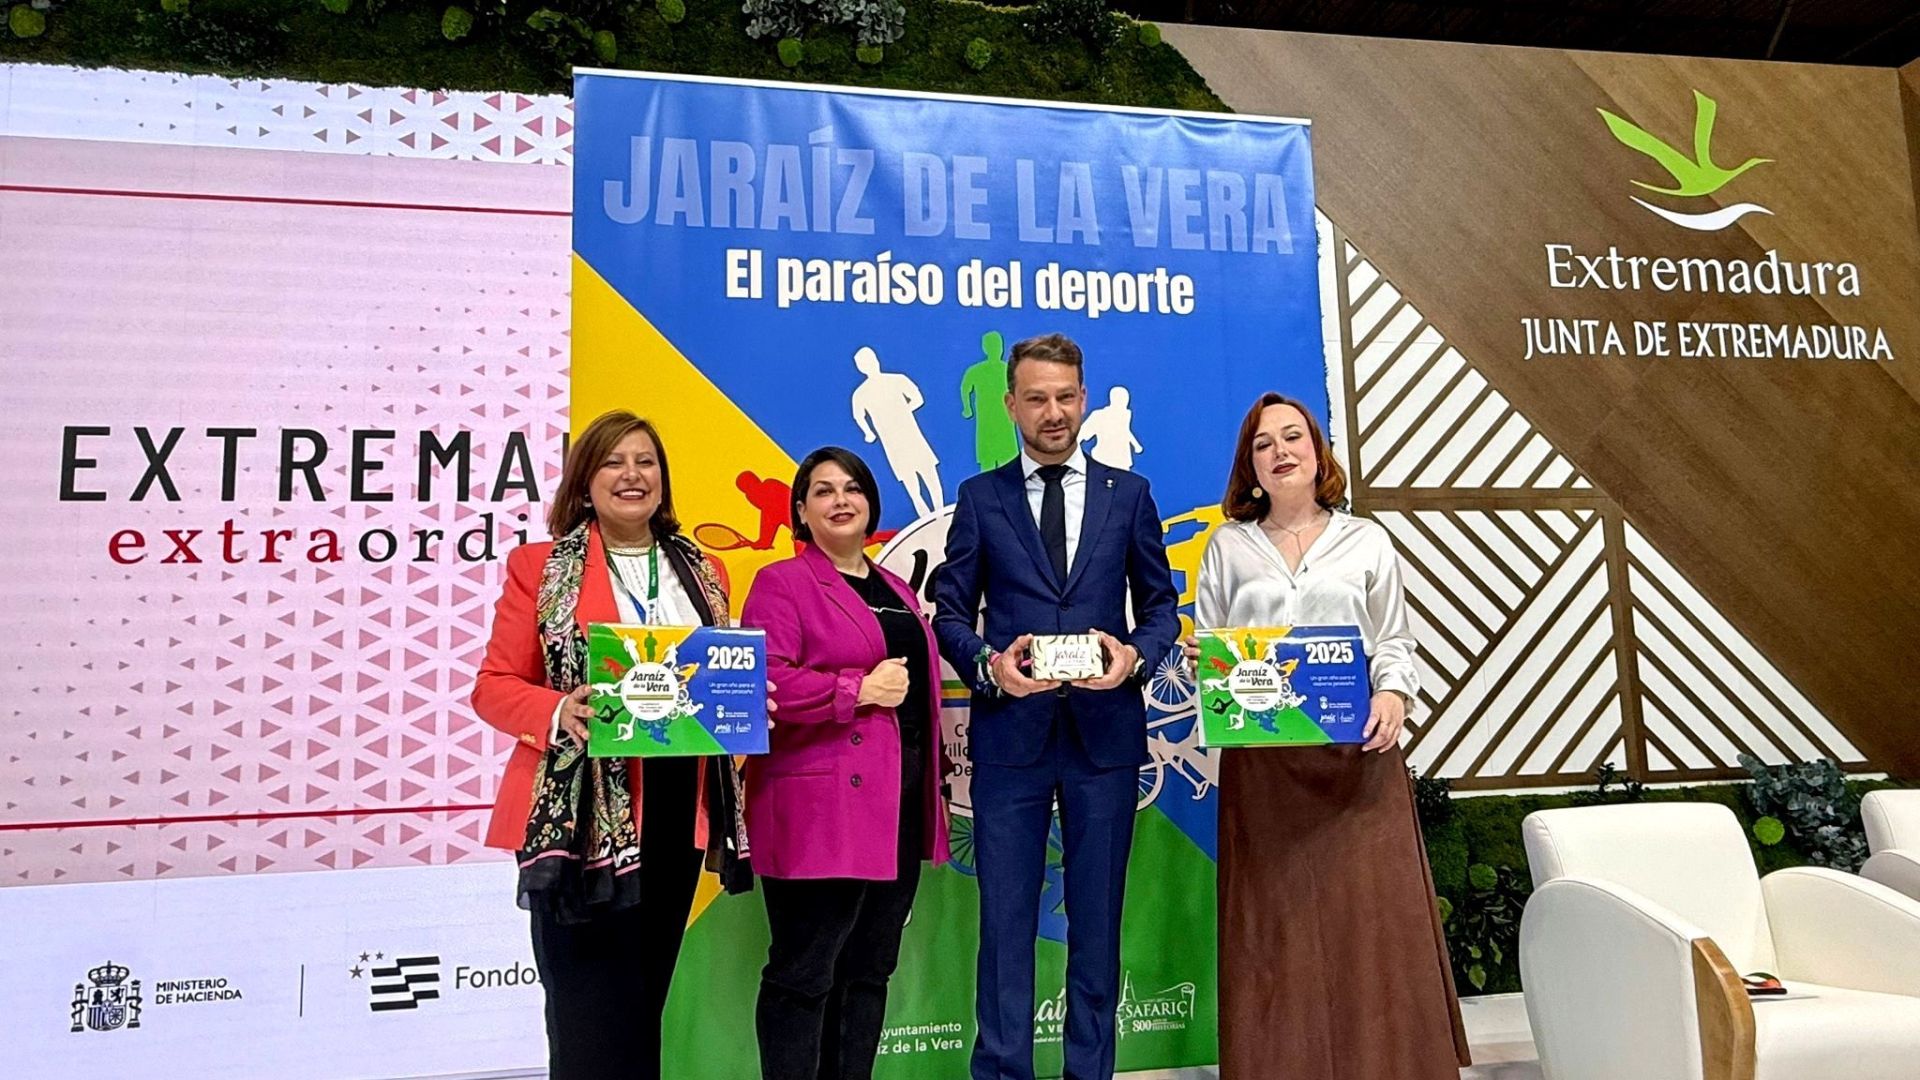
(648, 609)
(1295, 533)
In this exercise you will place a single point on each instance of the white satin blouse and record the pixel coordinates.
(1350, 576)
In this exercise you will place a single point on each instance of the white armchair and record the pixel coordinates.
(1892, 819)
(1645, 916)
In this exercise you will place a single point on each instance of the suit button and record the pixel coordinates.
(857, 739)
(1063, 605)
(856, 780)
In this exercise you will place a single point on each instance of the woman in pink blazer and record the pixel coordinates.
(847, 804)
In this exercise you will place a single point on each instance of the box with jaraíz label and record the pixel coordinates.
(674, 691)
(1282, 686)
(1067, 657)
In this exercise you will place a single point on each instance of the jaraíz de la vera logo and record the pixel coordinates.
(1695, 178)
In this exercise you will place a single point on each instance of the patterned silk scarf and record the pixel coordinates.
(583, 842)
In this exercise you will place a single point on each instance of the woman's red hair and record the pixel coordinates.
(1330, 480)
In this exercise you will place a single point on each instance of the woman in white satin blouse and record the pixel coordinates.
(1325, 892)
(1305, 563)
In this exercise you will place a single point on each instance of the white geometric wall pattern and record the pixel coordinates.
(1707, 695)
(234, 718)
(1426, 418)
(285, 114)
(355, 696)
(1524, 579)
(1516, 652)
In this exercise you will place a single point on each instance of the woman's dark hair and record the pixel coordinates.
(571, 502)
(855, 467)
(1330, 480)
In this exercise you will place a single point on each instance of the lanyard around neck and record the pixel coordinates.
(648, 611)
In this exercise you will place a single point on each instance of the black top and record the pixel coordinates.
(906, 637)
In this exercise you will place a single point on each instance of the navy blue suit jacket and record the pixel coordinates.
(995, 554)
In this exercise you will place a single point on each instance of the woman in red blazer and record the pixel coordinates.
(609, 849)
(848, 803)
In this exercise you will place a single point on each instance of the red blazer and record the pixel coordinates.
(511, 692)
(825, 803)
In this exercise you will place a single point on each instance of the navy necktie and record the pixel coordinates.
(1053, 517)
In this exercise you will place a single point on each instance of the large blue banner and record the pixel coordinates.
(767, 269)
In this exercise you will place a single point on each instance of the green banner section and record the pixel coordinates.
(1169, 1005)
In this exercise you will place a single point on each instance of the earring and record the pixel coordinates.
(1258, 494)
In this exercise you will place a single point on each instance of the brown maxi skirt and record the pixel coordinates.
(1333, 964)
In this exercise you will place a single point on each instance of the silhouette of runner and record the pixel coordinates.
(1111, 428)
(983, 399)
(883, 406)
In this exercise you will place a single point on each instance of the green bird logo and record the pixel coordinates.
(1694, 177)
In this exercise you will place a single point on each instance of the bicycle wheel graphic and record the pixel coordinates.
(1170, 689)
(960, 842)
(1153, 776)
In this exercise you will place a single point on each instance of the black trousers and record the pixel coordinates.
(606, 980)
(836, 942)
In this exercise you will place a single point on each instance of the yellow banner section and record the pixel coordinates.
(716, 452)
(621, 362)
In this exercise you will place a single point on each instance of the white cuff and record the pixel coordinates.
(553, 730)
(1396, 678)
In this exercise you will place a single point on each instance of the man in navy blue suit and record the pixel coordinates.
(1054, 544)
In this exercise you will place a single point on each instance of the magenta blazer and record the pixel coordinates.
(825, 802)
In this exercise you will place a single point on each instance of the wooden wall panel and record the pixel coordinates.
(1910, 97)
(1786, 491)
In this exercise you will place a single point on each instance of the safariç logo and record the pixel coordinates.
(1171, 1009)
(402, 984)
(110, 1003)
(1696, 177)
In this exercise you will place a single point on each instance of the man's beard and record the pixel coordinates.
(1067, 438)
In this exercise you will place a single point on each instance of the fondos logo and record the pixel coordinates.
(1695, 177)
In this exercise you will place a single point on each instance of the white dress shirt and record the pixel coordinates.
(1073, 485)
(630, 575)
(1349, 576)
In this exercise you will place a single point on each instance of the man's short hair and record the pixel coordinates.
(1053, 348)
